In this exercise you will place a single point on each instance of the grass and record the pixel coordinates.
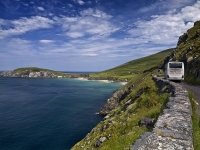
(122, 123)
(195, 123)
(192, 80)
(133, 68)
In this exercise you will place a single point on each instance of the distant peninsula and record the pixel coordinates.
(34, 72)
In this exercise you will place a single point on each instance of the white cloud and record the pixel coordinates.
(90, 54)
(80, 2)
(165, 29)
(41, 8)
(91, 23)
(74, 34)
(23, 25)
(167, 5)
(70, 5)
(18, 41)
(95, 13)
(17, 47)
(46, 41)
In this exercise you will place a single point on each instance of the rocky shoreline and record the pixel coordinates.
(29, 74)
(49, 74)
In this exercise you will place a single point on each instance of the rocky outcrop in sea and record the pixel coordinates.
(115, 100)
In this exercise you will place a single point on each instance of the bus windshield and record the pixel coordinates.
(175, 65)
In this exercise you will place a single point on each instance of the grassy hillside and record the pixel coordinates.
(133, 68)
(121, 127)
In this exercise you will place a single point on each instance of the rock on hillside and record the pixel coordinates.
(115, 100)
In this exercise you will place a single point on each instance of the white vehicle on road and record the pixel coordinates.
(174, 70)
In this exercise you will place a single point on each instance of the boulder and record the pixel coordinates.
(147, 122)
(189, 59)
(99, 142)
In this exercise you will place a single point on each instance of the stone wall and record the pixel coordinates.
(173, 129)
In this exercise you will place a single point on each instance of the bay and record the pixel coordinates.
(49, 113)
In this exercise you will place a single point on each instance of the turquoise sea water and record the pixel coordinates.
(49, 114)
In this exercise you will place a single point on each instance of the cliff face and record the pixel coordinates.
(115, 100)
(188, 51)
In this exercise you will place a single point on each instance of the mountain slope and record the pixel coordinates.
(133, 68)
(188, 51)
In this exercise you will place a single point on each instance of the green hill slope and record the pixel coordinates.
(133, 68)
(120, 127)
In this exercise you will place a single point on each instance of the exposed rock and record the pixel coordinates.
(197, 33)
(114, 101)
(147, 122)
(139, 93)
(153, 141)
(189, 59)
(197, 23)
(182, 39)
(29, 74)
(99, 142)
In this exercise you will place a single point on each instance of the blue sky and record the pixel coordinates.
(89, 35)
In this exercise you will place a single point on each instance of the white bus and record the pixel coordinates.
(174, 70)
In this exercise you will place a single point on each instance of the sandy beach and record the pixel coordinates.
(106, 81)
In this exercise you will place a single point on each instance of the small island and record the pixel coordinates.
(34, 72)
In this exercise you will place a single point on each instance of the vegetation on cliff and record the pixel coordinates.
(120, 128)
(195, 123)
(188, 51)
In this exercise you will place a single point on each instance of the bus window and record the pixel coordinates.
(175, 65)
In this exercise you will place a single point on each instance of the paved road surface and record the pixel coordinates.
(195, 90)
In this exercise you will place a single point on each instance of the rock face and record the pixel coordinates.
(99, 142)
(173, 129)
(29, 74)
(114, 101)
(147, 122)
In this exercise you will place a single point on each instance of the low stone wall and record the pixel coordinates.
(173, 129)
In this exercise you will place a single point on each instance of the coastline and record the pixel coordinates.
(105, 81)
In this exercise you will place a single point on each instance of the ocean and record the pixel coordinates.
(49, 114)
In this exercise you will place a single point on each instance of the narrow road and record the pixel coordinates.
(196, 90)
